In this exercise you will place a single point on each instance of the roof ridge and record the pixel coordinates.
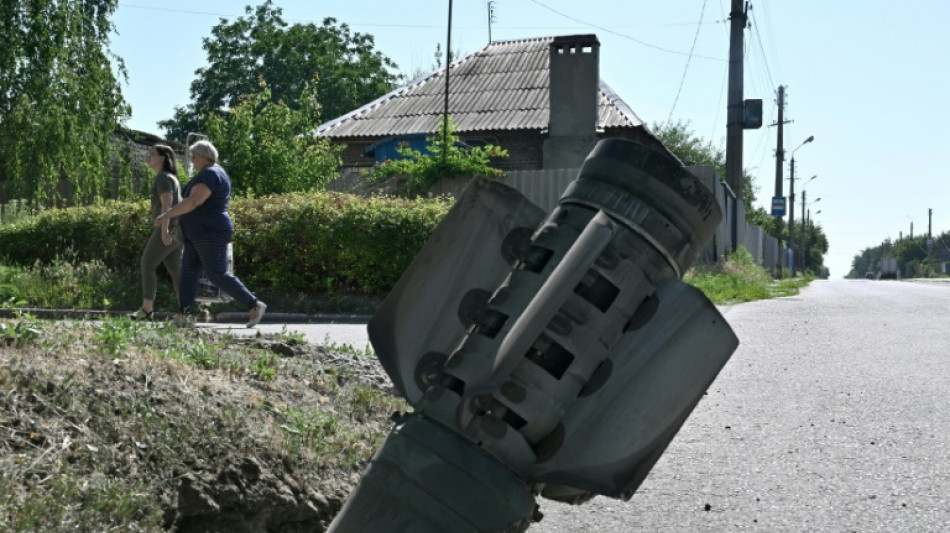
(511, 66)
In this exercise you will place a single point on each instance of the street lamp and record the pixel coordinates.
(791, 203)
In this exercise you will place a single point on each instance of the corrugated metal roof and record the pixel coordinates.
(504, 86)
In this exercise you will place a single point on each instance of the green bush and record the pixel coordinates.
(314, 243)
(443, 158)
(111, 232)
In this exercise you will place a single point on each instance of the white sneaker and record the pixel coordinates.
(256, 314)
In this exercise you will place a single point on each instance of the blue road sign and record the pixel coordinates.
(778, 206)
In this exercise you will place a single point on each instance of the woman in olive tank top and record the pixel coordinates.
(165, 244)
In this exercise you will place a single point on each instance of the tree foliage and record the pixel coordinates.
(913, 257)
(60, 101)
(261, 45)
(692, 150)
(267, 147)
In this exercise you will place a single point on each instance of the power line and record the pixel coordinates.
(722, 89)
(755, 24)
(770, 31)
(725, 75)
(184, 11)
(638, 41)
(224, 15)
(692, 48)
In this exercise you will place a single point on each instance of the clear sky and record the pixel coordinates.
(868, 79)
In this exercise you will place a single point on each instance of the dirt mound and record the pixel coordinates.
(124, 426)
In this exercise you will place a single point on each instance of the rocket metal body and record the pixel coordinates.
(548, 355)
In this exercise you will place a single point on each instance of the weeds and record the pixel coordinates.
(265, 368)
(68, 284)
(20, 332)
(739, 278)
(114, 334)
(347, 348)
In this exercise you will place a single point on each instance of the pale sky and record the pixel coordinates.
(849, 67)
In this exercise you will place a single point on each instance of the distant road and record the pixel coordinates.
(832, 416)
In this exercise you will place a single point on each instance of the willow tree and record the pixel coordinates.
(60, 100)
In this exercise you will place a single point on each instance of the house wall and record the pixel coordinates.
(525, 148)
(352, 154)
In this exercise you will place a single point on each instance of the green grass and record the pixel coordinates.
(66, 284)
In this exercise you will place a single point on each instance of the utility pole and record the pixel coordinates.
(448, 67)
(804, 229)
(779, 145)
(491, 17)
(930, 242)
(736, 109)
(791, 212)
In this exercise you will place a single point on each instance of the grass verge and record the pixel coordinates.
(739, 278)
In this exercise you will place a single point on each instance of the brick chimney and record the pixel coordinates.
(573, 98)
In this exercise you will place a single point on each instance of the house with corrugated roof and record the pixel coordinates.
(541, 99)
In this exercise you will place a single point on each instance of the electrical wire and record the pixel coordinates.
(638, 41)
(773, 42)
(223, 15)
(722, 89)
(702, 13)
(758, 36)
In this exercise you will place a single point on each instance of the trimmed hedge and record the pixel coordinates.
(316, 243)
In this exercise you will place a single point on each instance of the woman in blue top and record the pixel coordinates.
(207, 229)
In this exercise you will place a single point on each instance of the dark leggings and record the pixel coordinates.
(209, 253)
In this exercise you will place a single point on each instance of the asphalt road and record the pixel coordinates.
(832, 416)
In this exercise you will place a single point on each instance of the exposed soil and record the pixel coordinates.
(159, 429)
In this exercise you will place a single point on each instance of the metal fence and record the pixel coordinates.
(544, 188)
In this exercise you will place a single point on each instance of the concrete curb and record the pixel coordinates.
(226, 317)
